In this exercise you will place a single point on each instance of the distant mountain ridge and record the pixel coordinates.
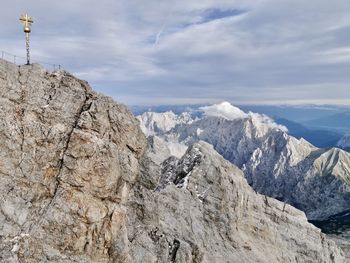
(344, 142)
(337, 122)
(320, 138)
(301, 121)
(296, 113)
(275, 163)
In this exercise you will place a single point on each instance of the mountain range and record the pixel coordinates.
(275, 163)
(79, 182)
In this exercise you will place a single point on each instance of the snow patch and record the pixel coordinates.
(199, 131)
(185, 183)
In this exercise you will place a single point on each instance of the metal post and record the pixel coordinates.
(27, 22)
(27, 47)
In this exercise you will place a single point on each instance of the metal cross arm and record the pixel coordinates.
(27, 22)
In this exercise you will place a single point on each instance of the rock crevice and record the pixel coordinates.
(78, 156)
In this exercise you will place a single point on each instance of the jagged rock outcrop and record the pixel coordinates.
(276, 164)
(68, 158)
(75, 186)
(200, 209)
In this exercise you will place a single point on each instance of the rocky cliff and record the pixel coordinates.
(77, 186)
(201, 209)
(68, 158)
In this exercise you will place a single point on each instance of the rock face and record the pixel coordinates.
(68, 158)
(76, 186)
(276, 164)
(201, 209)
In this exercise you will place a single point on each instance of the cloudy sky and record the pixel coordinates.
(151, 52)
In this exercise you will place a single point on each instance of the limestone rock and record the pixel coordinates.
(203, 210)
(68, 158)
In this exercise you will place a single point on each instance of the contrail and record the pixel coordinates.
(156, 41)
(159, 34)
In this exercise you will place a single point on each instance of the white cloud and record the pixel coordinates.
(224, 110)
(336, 55)
(229, 112)
(263, 120)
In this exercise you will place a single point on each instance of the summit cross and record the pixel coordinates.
(27, 22)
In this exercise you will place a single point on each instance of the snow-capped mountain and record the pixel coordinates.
(153, 123)
(275, 163)
(344, 142)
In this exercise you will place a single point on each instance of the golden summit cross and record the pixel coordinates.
(27, 22)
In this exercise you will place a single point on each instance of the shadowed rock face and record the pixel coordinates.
(200, 209)
(68, 158)
(72, 188)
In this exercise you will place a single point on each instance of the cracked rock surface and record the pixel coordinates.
(76, 186)
(68, 157)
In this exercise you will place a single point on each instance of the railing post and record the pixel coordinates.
(11, 57)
